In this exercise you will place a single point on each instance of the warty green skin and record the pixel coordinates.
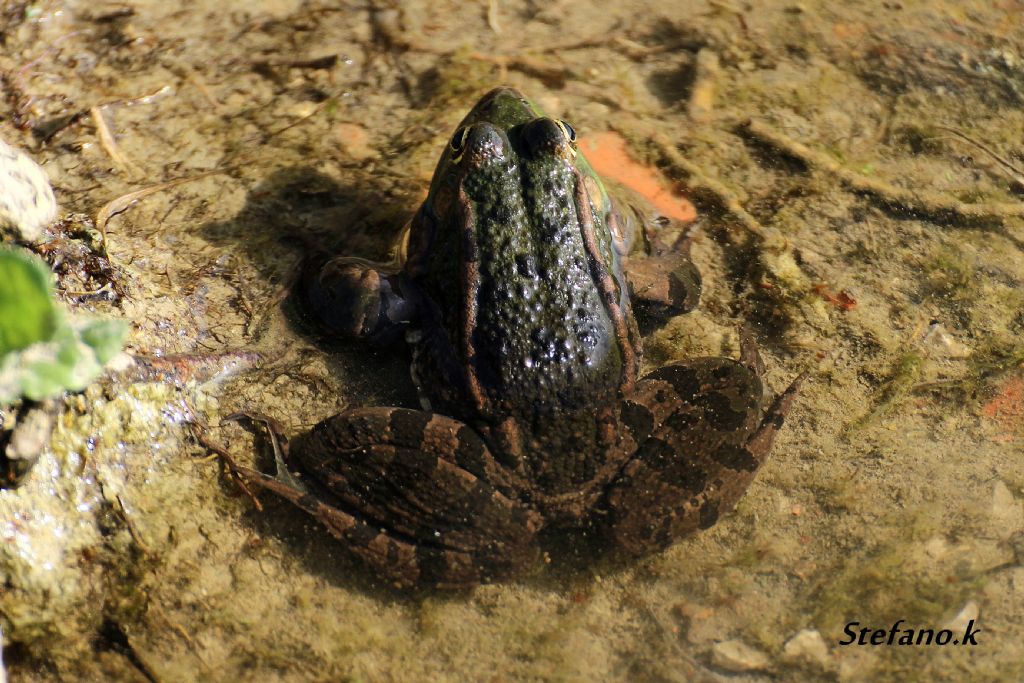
(513, 297)
(553, 345)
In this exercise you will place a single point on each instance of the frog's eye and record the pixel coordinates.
(458, 143)
(568, 131)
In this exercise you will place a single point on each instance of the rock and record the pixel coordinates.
(354, 140)
(1006, 511)
(958, 623)
(735, 655)
(941, 344)
(27, 203)
(807, 646)
(27, 440)
(936, 547)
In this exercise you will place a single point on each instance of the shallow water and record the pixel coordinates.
(894, 491)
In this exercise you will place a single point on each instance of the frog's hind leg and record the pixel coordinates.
(702, 440)
(406, 491)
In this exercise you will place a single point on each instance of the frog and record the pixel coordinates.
(511, 290)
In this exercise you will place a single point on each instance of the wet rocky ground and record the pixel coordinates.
(857, 170)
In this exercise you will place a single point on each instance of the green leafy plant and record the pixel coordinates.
(43, 351)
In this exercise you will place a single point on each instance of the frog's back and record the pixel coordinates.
(527, 332)
(543, 334)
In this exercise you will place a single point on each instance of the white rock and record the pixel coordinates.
(942, 344)
(1007, 515)
(809, 646)
(26, 199)
(936, 547)
(735, 655)
(958, 623)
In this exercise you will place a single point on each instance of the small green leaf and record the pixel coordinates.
(44, 378)
(42, 352)
(27, 312)
(105, 336)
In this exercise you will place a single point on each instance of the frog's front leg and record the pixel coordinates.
(662, 278)
(356, 298)
(409, 492)
(706, 438)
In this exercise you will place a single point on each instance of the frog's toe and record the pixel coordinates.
(700, 458)
(749, 355)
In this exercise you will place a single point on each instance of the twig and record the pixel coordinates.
(199, 432)
(181, 631)
(697, 181)
(181, 368)
(705, 84)
(492, 17)
(132, 531)
(526, 64)
(1016, 175)
(921, 202)
(193, 77)
(109, 144)
(122, 203)
(302, 119)
(141, 99)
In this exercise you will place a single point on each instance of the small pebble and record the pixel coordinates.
(936, 547)
(808, 646)
(958, 623)
(1007, 515)
(27, 203)
(943, 345)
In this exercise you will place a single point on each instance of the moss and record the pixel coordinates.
(763, 549)
(918, 139)
(893, 581)
(837, 494)
(87, 562)
(904, 374)
(458, 77)
(949, 272)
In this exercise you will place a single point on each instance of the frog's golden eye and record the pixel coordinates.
(458, 143)
(568, 131)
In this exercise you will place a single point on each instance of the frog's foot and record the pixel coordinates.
(666, 282)
(707, 439)
(405, 490)
(353, 297)
(665, 285)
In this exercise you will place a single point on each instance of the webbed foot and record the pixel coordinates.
(707, 438)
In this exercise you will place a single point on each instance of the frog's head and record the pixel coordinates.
(503, 128)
